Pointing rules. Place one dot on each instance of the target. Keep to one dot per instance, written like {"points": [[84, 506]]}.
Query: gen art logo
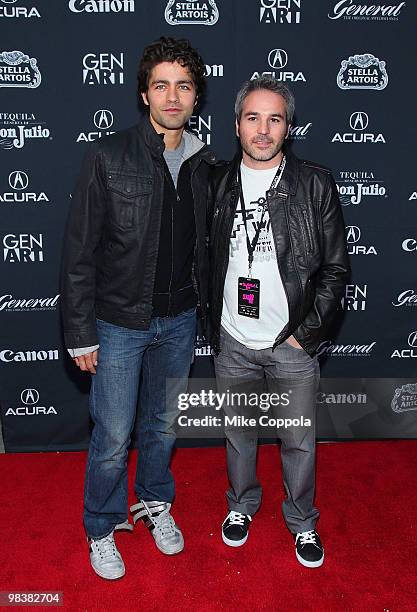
{"points": [[280, 11], [201, 126], [103, 69]]}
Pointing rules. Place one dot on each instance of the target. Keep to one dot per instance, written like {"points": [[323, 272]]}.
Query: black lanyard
{"points": [[252, 245]]}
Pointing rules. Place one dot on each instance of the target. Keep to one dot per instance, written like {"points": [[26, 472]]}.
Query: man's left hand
{"points": [[291, 340]]}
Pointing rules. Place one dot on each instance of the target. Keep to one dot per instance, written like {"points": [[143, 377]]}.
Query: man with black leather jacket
{"points": [[134, 273], [278, 268]]}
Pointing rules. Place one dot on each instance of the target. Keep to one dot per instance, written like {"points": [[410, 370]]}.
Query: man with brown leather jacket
{"points": [[278, 267]]}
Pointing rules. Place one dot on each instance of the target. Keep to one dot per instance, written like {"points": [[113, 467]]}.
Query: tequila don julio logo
{"points": [[362, 72], [19, 70], [191, 13]]}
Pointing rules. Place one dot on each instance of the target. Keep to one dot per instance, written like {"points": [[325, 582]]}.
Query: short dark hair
{"points": [[270, 84], [172, 50]]}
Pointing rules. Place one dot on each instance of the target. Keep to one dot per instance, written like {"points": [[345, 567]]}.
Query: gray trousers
{"points": [[284, 370]]}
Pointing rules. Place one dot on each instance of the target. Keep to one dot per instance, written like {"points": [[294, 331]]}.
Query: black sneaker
{"points": [[309, 549], [235, 528]]}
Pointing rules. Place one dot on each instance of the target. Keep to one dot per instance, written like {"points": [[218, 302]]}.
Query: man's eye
{"points": [[160, 86], [275, 120], [251, 118]]}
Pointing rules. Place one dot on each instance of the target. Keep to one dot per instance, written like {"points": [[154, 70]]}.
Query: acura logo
{"points": [[359, 120], [103, 119], [29, 396], [353, 233], [277, 58], [412, 339], [18, 179]]}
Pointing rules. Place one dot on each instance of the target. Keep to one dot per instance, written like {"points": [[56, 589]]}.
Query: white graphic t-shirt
{"points": [[273, 316]]}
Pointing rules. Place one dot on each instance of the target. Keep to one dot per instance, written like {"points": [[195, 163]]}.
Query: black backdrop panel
{"points": [[72, 79]]}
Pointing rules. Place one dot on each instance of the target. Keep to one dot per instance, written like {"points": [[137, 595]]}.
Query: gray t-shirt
{"points": [[174, 159]]}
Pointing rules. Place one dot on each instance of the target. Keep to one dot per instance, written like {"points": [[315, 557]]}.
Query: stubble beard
{"points": [[265, 155]]}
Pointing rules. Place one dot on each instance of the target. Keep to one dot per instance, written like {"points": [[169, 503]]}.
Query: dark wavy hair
{"points": [[172, 50]]}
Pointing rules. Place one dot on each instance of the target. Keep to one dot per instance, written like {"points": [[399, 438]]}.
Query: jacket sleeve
{"points": [[78, 265], [333, 274]]}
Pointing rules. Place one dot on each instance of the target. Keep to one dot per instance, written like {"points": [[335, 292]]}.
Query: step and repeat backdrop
{"points": [[68, 77]]}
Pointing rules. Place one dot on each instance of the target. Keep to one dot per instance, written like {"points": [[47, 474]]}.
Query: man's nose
{"points": [[172, 94], [263, 126]]}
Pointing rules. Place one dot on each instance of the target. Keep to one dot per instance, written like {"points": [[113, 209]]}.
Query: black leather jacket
{"points": [[112, 235], [310, 242]]}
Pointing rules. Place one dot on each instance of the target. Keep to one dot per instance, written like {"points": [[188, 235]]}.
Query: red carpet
{"points": [[366, 491]]}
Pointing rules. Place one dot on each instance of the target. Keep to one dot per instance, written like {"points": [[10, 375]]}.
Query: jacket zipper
{"points": [[308, 230]]}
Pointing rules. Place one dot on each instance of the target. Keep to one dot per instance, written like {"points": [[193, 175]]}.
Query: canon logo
{"points": [[409, 244], [9, 356], [342, 398]]}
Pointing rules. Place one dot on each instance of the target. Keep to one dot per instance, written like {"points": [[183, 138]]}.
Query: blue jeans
{"points": [[164, 351]]}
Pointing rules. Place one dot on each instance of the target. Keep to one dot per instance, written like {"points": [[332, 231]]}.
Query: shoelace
{"points": [[166, 524], [237, 518], [307, 537], [157, 514], [106, 547]]}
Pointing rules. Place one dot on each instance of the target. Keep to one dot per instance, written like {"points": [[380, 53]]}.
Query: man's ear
{"points": [[145, 98], [237, 128]]}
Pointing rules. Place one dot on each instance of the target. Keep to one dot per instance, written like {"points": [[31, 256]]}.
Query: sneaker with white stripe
{"points": [[157, 518]]}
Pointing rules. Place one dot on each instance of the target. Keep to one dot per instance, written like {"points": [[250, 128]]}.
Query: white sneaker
{"points": [[105, 559], [157, 518]]}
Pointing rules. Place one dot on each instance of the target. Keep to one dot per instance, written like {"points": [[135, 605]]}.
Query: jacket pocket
{"points": [[128, 195]]}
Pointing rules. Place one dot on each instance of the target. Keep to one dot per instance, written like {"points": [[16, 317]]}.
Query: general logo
{"points": [[344, 9]]}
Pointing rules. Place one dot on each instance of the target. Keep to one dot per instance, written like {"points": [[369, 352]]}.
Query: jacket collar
{"points": [[287, 184], [156, 144]]}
